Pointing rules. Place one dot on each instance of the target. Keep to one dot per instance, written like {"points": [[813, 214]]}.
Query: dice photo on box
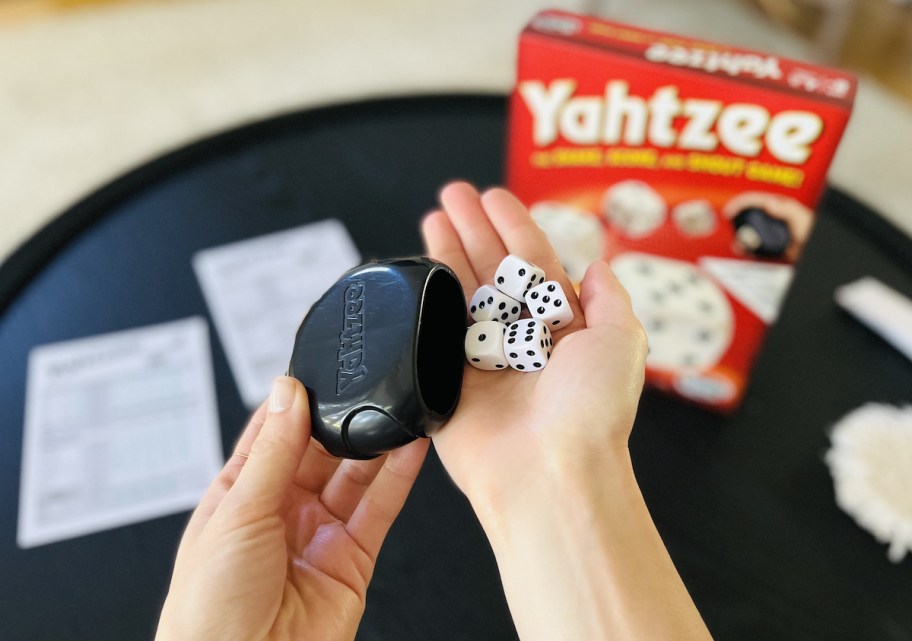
{"points": [[515, 276], [484, 345], [489, 303], [548, 303], [634, 208], [688, 320], [577, 236], [695, 218], [528, 345]]}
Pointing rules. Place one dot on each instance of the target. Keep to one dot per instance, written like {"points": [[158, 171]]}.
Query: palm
{"points": [[327, 573], [491, 422], [290, 572], [504, 426]]}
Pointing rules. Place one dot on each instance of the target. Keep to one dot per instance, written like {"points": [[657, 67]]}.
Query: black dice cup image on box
{"points": [[761, 234], [381, 356]]}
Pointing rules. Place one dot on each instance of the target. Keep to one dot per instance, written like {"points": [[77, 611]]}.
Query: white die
{"points": [[548, 303], [484, 345], [528, 345], [489, 303], [515, 276]]}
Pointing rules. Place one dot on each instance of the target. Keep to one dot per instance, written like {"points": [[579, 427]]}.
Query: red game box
{"points": [[693, 167]]}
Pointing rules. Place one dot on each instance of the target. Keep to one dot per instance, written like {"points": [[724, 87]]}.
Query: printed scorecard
{"points": [[258, 291], [119, 428]]}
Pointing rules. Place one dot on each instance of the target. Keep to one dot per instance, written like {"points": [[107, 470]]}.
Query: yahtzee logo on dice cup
{"points": [[351, 339]]}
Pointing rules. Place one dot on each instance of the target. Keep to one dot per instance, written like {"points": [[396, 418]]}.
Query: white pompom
{"points": [[871, 464]]}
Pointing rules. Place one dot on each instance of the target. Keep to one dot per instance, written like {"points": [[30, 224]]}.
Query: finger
{"points": [[482, 243], [524, 238], [348, 485], [604, 300], [227, 476], [385, 497], [442, 243], [275, 453], [317, 466]]}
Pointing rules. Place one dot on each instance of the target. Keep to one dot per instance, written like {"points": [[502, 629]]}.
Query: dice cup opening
{"points": [[440, 358]]}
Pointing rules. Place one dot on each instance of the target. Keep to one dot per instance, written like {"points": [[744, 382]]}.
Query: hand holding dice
{"points": [[498, 338], [581, 400], [535, 454]]}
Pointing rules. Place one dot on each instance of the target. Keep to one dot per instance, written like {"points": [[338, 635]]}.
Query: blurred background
{"points": [[92, 88]]}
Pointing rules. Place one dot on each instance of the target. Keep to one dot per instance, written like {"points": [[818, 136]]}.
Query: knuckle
{"points": [[357, 475]]}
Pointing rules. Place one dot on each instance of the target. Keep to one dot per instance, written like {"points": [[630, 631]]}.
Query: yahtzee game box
{"points": [[692, 167]]}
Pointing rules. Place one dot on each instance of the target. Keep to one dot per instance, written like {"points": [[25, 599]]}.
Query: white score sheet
{"points": [[259, 291], [119, 428]]}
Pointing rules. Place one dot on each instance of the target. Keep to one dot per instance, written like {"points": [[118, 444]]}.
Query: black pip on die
{"points": [[484, 345], [527, 345], [548, 303], [489, 303]]}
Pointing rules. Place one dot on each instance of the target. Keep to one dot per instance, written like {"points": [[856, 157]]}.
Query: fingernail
{"points": [[283, 394]]}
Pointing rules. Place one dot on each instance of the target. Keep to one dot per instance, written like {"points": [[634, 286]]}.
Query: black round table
{"points": [[744, 503]]}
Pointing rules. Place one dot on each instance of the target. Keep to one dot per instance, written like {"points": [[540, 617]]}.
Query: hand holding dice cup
{"points": [[539, 448]]}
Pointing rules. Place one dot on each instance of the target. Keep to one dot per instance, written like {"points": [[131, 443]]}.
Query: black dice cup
{"points": [[381, 356]]}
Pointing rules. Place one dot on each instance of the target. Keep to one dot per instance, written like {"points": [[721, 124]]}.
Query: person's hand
{"points": [[283, 544], [542, 456], [797, 217], [512, 428]]}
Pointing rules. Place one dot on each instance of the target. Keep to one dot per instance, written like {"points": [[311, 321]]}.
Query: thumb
{"points": [[277, 451], [604, 300]]}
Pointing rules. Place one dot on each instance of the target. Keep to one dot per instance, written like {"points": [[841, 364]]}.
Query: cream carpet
{"points": [[88, 94]]}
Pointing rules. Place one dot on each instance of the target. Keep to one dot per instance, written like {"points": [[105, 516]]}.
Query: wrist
{"points": [[580, 557], [577, 491], [558, 545]]}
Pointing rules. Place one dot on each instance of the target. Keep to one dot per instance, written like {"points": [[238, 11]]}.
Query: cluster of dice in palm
{"points": [[499, 338]]}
